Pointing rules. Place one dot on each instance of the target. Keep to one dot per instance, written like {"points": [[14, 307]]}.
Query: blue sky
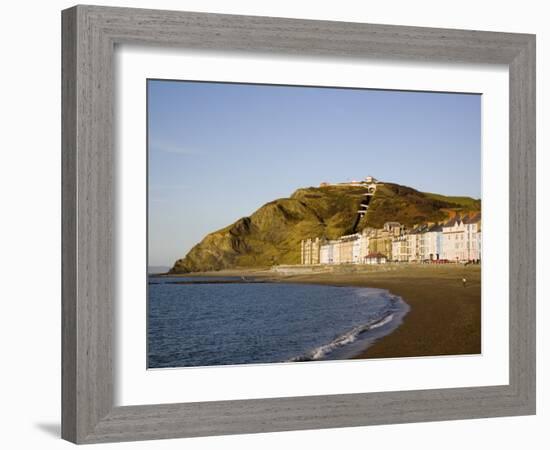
{"points": [[218, 151]]}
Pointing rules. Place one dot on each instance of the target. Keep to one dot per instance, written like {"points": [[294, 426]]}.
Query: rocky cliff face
{"points": [[272, 234]]}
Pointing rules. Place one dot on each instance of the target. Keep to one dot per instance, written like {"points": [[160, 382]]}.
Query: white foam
{"points": [[382, 322], [344, 339]]}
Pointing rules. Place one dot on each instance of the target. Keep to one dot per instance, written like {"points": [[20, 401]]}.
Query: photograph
{"points": [[309, 223]]}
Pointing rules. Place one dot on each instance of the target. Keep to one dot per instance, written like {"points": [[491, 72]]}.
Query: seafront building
{"points": [[400, 249], [473, 232], [381, 240], [461, 238], [345, 250], [310, 251], [457, 240], [432, 244]]}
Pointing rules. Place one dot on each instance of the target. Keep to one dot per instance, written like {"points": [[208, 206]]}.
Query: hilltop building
{"points": [[369, 180]]}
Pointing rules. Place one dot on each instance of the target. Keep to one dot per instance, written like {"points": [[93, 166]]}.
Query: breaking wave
{"points": [[350, 336]]}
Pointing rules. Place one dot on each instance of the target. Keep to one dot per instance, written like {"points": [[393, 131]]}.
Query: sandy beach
{"points": [[445, 315]]}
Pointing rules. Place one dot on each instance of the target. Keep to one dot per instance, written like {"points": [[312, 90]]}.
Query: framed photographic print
{"points": [[278, 224]]}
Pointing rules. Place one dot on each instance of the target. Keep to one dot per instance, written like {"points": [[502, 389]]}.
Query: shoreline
{"points": [[444, 317]]}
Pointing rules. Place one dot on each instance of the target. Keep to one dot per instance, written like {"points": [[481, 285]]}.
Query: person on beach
{"points": [[464, 282]]}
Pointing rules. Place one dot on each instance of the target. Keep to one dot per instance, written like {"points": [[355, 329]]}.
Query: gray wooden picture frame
{"points": [[89, 37]]}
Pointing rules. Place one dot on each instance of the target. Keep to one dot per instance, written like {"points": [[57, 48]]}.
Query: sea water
{"points": [[246, 323]]}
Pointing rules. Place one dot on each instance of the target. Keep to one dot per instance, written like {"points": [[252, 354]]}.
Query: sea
{"points": [[208, 321]]}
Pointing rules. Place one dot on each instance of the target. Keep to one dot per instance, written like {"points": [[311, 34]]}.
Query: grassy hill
{"points": [[272, 234]]}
